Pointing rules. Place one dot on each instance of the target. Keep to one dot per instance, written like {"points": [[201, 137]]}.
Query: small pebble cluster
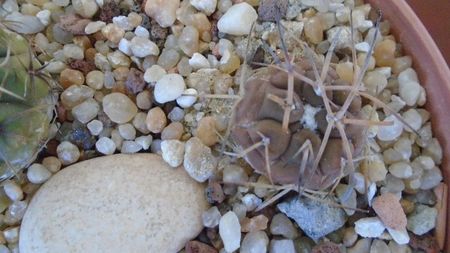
{"points": [[162, 77]]}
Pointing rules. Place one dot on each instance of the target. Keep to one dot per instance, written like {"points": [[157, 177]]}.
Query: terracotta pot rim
{"points": [[433, 71]]}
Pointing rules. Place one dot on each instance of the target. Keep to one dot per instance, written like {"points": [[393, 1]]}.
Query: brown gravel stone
{"points": [[256, 223], [426, 243], [327, 247], [388, 208], [199, 247], [206, 131], [73, 23], [272, 10], [109, 10], [82, 65], [135, 81], [214, 193]]}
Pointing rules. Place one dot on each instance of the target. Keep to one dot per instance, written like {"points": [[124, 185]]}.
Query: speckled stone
{"points": [[114, 204]]}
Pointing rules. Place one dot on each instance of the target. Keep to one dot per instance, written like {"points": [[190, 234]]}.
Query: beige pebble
{"points": [[113, 205], [206, 131], [156, 120], [173, 131]]}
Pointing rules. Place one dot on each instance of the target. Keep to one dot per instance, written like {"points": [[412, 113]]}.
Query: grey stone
{"points": [[316, 219]]}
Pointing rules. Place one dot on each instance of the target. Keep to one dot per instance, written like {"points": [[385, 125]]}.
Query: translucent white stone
{"points": [[67, 153], [369, 227], [130, 147], [38, 174], [127, 131], [105, 146], [211, 217], [95, 127], [230, 231]]}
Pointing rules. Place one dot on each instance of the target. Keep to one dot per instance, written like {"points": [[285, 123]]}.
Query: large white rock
{"points": [[120, 203], [238, 19]]}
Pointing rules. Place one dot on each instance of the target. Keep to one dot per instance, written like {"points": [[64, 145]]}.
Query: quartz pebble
{"points": [[282, 225], [119, 108], [86, 111], [94, 27], [173, 152], [127, 131], [95, 127], [142, 47], [75, 95], [282, 246], [347, 197], [350, 237], [53, 164], [73, 51], [154, 73], [11, 235], [105, 146], [189, 40], [400, 236], [230, 231], [234, 174], [145, 141], [369, 227], [254, 242], [125, 46], [141, 31], [238, 19], [113, 33], [401, 170], [95, 79], [211, 217], [431, 178], [38, 174], [188, 98], [67, 153], [390, 132], [144, 100], [198, 61], [206, 6], [163, 11], [130, 147], [173, 131], [13, 191], [409, 91], [379, 246], [422, 220], [56, 208], [251, 201], [156, 120], [169, 88], [198, 160], [86, 8]]}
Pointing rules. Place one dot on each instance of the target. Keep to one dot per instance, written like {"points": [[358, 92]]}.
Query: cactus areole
{"points": [[26, 104]]}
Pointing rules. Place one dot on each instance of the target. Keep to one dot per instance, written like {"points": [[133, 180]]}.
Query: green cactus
{"points": [[26, 104]]}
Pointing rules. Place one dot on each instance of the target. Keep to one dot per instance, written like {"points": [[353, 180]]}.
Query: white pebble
{"points": [[142, 47], [401, 170], [73, 51], [11, 235], [86, 8], [38, 174], [169, 88], [400, 236], [255, 242], [362, 47], [188, 98], [251, 201], [282, 246], [410, 91], [95, 127], [413, 118], [130, 147], [390, 132], [144, 141], [119, 108], [198, 61], [13, 191], [230, 231], [407, 75], [67, 153], [94, 27], [44, 16], [122, 22], [238, 19], [53, 164], [127, 131], [105, 146], [173, 152], [164, 14], [206, 6], [142, 32], [125, 46], [369, 227], [211, 217], [86, 111], [154, 73]]}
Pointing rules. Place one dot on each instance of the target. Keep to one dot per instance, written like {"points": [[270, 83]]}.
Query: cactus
{"points": [[26, 104]]}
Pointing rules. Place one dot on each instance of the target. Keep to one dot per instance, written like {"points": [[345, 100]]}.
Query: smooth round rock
{"points": [[120, 203]]}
